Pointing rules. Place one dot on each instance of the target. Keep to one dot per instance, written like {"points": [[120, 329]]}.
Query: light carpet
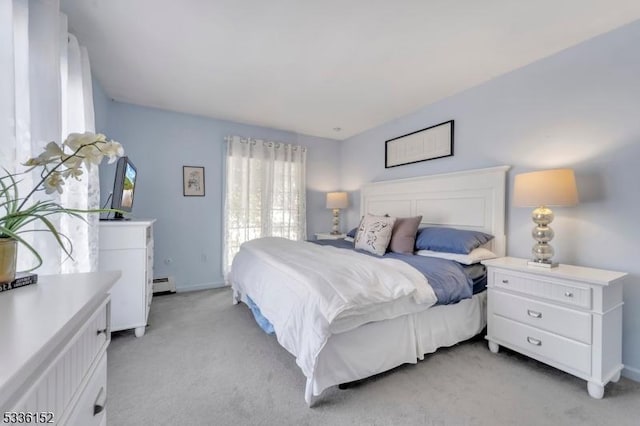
{"points": [[204, 361]]}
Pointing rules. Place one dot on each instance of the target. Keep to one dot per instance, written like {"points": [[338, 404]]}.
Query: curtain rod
{"points": [[253, 141]]}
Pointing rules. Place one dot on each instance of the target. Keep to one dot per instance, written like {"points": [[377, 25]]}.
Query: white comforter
{"points": [[308, 291]]}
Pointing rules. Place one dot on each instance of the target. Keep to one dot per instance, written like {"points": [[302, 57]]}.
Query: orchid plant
{"points": [[57, 162]]}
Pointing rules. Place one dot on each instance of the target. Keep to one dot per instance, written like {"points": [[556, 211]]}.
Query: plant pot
{"points": [[8, 257]]}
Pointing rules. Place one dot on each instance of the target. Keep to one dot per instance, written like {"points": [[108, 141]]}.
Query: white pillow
{"points": [[476, 255], [374, 233]]}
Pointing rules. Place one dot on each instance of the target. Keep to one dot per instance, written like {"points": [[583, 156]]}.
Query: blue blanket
{"points": [[447, 278], [264, 323]]}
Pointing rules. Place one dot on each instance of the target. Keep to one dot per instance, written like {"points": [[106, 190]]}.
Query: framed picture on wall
{"points": [[422, 145], [193, 181]]}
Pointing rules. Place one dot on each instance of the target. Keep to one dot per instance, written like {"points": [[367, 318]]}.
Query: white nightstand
{"points": [[568, 317], [328, 236]]}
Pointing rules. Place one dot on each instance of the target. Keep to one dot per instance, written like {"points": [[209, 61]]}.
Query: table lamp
{"points": [[540, 190], [336, 201]]}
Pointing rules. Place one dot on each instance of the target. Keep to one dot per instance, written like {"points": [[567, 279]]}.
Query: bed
{"points": [[336, 341]]}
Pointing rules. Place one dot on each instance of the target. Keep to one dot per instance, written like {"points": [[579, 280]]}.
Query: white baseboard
{"points": [[202, 286], [631, 373]]}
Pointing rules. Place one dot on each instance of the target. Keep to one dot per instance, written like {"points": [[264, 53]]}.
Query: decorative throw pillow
{"points": [[403, 238], [352, 233], [374, 234], [450, 240]]}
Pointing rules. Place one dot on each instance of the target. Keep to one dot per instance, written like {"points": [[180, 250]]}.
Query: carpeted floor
{"points": [[204, 361]]}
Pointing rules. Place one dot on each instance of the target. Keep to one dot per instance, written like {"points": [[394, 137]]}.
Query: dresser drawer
{"points": [[57, 387], [90, 410], [555, 290], [547, 346], [114, 237], [553, 318]]}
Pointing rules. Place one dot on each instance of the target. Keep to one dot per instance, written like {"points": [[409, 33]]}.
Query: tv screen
{"points": [[124, 186]]}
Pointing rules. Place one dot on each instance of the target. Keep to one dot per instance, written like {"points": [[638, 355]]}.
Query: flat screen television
{"points": [[124, 185]]}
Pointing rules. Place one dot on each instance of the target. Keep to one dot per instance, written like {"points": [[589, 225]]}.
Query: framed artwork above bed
{"points": [[422, 145]]}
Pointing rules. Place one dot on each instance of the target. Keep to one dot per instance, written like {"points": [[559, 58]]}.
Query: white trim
{"points": [[631, 373], [470, 199]]}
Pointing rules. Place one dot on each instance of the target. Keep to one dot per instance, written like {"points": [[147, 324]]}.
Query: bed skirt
{"points": [[379, 346]]}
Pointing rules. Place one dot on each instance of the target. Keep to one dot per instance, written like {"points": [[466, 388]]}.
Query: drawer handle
{"points": [[534, 314], [535, 342], [568, 294], [101, 402], [505, 281], [101, 331]]}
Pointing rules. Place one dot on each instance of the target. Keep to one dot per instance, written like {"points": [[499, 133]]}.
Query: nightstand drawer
{"points": [[556, 290], [555, 319], [556, 349]]}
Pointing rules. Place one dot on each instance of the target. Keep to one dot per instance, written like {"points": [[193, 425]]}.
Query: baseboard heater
{"points": [[164, 285]]}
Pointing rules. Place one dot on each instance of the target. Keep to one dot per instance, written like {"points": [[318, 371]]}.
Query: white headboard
{"points": [[471, 199]]}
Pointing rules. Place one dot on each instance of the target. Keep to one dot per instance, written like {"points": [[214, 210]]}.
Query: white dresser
{"points": [[127, 245], [53, 362], [569, 317]]}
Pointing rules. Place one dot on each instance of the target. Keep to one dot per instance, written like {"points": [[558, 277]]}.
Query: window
{"points": [[265, 193]]}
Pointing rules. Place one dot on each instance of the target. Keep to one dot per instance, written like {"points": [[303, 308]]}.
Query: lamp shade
{"points": [[337, 200], [545, 188]]}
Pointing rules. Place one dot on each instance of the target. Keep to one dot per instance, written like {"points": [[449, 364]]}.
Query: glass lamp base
{"points": [[548, 264], [542, 233], [335, 230]]}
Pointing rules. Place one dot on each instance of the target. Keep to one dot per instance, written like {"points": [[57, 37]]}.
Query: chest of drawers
{"points": [[55, 335], [569, 317], [128, 246]]}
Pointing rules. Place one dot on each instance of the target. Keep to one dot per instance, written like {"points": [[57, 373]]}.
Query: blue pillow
{"points": [[450, 240], [352, 233]]}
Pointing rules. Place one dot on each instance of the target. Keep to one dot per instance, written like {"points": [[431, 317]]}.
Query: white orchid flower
{"points": [[53, 183], [72, 161], [92, 155], [75, 172], [33, 162], [113, 150], [76, 140], [58, 162], [51, 151]]}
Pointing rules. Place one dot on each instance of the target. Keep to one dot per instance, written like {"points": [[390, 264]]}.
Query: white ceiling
{"points": [[310, 66]]}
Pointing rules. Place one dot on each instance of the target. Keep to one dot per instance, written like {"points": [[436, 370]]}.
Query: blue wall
{"points": [[101, 103], [188, 231], [579, 108]]}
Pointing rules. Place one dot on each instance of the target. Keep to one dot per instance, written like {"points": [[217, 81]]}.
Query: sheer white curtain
{"points": [[45, 94], [265, 193], [83, 194]]}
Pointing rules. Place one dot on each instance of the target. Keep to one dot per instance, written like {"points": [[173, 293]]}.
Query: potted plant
{"points": [[57, 162]]}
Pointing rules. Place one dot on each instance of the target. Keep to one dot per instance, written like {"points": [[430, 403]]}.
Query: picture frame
{"points": [[422, 145], [193, 181]]}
